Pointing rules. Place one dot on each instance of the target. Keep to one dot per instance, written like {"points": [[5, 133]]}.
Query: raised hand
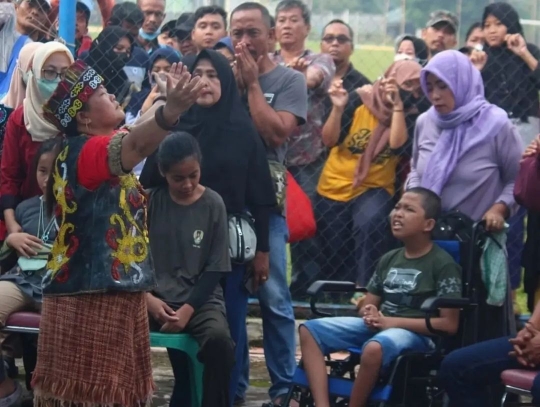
{"points": [[478, 59], [248, 67], [300, 65], [516, 43], [533, 148], [160, 84], [183, 90], [338, 95], [391, 93]]}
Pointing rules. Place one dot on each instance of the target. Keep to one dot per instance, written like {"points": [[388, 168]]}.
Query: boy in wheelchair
{"points": [[391, 322]]}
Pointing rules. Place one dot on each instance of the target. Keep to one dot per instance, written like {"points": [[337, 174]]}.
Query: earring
{"points": [[87, 131]]}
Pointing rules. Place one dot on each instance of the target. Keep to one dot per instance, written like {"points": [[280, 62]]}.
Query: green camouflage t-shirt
{"points": [[435, 274]]}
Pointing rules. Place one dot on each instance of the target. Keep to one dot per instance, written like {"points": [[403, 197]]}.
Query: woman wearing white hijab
{"points": [[27, 129]]}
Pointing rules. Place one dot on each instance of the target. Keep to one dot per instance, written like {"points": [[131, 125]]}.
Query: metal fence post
{"points": [[66, 23]]}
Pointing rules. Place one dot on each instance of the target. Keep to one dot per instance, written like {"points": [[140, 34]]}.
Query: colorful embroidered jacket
{"points": [[102, 243]]}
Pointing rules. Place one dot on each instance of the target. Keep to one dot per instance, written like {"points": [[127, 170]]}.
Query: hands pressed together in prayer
{"points": [[527, 346], [246, 68]]}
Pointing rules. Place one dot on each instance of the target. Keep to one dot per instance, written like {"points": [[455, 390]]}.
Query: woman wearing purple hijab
{"points": [[465, 149]]}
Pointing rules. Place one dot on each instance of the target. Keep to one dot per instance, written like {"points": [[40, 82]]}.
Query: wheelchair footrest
{"points": [[342, 387]]}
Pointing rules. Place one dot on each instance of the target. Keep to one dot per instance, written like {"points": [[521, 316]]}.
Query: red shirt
{"points": [[17, 172], [93, 163], [85, 44]]}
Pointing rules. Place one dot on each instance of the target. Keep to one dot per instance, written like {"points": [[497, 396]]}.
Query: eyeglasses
{"points": [[342, 39], [51, 74]]}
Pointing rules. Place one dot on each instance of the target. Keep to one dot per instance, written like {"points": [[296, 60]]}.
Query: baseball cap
{"points": [[89, 4], [83, 7], [126, 12], [184, 25], [443, 16]]}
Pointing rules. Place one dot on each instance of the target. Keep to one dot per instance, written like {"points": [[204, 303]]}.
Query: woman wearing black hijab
{"points": [[512, 79], [108, 56], [511, 73], [234, 164]]}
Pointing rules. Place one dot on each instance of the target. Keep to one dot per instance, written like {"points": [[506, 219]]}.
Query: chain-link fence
{"points": [[352, 223]]}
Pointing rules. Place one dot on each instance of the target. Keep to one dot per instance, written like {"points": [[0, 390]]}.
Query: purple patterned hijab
{"points": [[472, 122]]}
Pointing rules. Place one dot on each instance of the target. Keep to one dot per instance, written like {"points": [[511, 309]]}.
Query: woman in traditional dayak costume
{"points": [[93, 345]]}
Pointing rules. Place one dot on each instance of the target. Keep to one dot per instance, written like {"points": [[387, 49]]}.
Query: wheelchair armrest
{"points": [[433, 304], [322, 286]]}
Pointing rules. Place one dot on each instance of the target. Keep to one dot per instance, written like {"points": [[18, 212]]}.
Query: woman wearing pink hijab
{"points": [[17, 88], [14, 98]]}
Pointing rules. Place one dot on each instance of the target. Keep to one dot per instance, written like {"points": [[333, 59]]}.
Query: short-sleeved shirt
{"points": [[336, 180], [285, 91], [187, 241], [435, 274], [305, 145]]}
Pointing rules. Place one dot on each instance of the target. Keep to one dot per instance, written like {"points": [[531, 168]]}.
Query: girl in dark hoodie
{"points": [[512, 79], [511, 74], [108, 56]]}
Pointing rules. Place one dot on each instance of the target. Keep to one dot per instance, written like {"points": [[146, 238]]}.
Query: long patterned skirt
{"points": [[94, 350]]}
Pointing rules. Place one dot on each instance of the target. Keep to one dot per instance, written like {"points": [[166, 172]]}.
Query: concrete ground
{"points": [[163, 376], [256, 395]]}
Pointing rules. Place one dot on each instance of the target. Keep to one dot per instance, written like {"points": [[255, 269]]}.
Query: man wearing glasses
{"points": [[338, 42]]}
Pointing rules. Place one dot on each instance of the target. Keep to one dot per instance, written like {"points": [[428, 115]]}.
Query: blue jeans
{"points": [[467, 373], [341, 333], [236, 300], [277, 316], [354, 235], [304, 254]]}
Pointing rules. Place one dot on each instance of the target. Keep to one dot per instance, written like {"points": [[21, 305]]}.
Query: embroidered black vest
{"points": [[102, 243]]}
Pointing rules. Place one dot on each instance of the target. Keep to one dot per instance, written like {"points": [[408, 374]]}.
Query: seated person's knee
{"points": [[371, 354], [450, 365], [219, 345]]}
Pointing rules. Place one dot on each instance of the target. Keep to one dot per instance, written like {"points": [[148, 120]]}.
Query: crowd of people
{"points": [[143, 186]]}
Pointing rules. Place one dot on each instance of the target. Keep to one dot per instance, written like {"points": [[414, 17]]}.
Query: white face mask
{"points": [[403, 57]]}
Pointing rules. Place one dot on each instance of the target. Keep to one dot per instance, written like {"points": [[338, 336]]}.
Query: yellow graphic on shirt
{"points": [[337, 176], [128, 240], [62, 247]]}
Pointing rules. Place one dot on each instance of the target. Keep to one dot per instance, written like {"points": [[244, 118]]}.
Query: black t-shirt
{"points": [[187, 241]]}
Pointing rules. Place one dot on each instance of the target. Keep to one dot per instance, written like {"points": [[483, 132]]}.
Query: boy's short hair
{"points": [[202, 11], [126, 12], [285, 5], [339, 21], [83, 8], [251, 5], [431, 202]]}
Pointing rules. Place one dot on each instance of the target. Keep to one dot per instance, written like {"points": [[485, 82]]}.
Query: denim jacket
{"points": [[102, 243]]}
